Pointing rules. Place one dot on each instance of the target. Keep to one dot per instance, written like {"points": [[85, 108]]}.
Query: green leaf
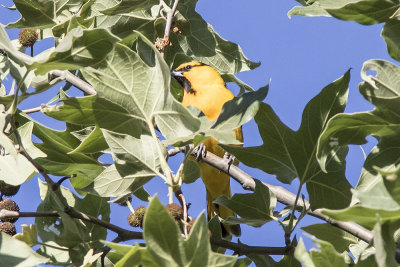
{"points": [[16, 170], [93, 110], [57, 255], [199, 41], [110, 183], [363, 216], [392, 183], [191, 172], [25, 132], [79, 48], [126, 255], [391, 33], [5, 127], [366, 12], [126, 6], [243, 262], [135, 158], [257, 207], [68, 232], [56, 145], [165, 243], [35, 14], [340, 239], [42, 14], [289, 154], [29, 235], [362, 11], [92, 143], [10, 49], [235, 113], [232, 78], [327, 256], [313, 10], [382, 91], [197, 245], [16, 253], [163, 238], [384, 244], [302, 255]]}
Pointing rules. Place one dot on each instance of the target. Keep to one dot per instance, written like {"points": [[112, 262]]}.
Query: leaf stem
{"points": [[51, 246], [14, 104], [169, 177], [291, 228]]}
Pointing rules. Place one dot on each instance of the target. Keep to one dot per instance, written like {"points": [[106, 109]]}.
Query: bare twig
{"points": [[69, 77], [33, 110], [242, 249], [282, 195], [165, 41], [8, 214], [179, 195], [75, 81]]}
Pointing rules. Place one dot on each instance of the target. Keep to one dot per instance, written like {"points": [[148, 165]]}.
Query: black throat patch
{"points": [[185, 84]]}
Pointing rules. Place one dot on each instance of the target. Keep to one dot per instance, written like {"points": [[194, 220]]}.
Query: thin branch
{"points": [[33, 110], [283, 196], [179, 195], [8, 214], [75, 81], [164, 42], [68, 76], [242, 249], [170, 17]]}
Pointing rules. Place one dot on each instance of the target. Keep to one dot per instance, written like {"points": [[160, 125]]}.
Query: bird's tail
{"points": [[223, 212]]}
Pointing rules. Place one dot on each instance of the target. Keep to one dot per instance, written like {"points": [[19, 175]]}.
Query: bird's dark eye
{"points": [[188, 67]]}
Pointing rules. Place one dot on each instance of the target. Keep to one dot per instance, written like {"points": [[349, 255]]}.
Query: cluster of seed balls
{"points": [[7, 225], [136, 219]]}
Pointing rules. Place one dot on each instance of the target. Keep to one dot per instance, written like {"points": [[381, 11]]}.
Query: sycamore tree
{"points": [[120, 53]]}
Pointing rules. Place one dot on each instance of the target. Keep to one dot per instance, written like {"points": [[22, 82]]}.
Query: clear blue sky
{"points": [[301, 56]]}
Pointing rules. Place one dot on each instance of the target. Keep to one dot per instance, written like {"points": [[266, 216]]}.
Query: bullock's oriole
{"points": [[205, 89]]}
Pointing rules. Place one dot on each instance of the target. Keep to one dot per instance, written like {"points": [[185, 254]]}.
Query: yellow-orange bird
{"points": [[205, 89]]}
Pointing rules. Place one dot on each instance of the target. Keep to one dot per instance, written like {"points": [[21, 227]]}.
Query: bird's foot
{"points": [[230, 159], [200, 151]]}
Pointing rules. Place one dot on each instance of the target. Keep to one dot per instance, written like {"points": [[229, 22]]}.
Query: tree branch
{"points": [[69, 77], [282, 195], [75, 81], [163, 43], [170, 17], [242, 249], [8, 214]]}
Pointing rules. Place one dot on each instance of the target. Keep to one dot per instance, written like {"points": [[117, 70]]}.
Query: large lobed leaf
{"points": [[381, 90], [365, 12], [289, 154]]}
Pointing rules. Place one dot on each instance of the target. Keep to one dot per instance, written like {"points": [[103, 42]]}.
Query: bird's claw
{"points": [[200, 151], [230, 159]]}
